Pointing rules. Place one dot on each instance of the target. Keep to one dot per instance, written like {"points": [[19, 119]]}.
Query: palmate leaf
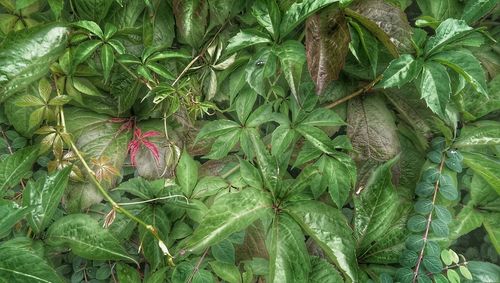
{"points": [[230, 213], [191, 20], [288, 257], [292, 57], [14, 167], [11, 214], [401, 71], [20, 264], [448, 31], [86, 238], [267, 14], [435, 87], [44, 196], [376, 206], [328, 227]]}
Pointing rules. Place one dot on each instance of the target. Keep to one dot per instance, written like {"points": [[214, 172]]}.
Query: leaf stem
{"points": [[428, 224], [356, 93]]}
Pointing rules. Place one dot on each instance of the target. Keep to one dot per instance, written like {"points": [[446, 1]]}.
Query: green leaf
{"points": [[191, 21], [157, 216], [317, 138], [107, 60], [90, 26], [44, 197], [216, 128], [485, 166], [282, 140], [439, 228], [329, 229], [433, 264], [447, 32], [230, 213], [14, 167], [443, 213], [288, 256], [338, 174], [267, 163], [260, 66], [464, 63], [417, 223], [376, 206], [261, 115], [484, 271], [408, 258], [126, 273], [322, 271], [244, 103], [465, 221], [26, 56], [85, 50], [292, 56], [268, 15], [299, 12], [224, 144], [440, 10], [491, 224], [227, 272], [322, 117], [465, 272], [93, 10], [475, 10], [86, 238], [479, 134], [435, 87], [246, 38], [187, 173], [453, 276], [369, 45], [401, 71], [12, 213], [20, 264], [424, 206], [250, 174]]}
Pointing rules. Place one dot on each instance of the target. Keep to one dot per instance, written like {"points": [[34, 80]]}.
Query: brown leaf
{"points": [[327, 45], [372, 129], [387, 22]]}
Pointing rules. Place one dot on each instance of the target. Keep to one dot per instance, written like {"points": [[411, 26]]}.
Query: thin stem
{"points": [[428, 225], [231, 171], [134, 75], [356, 93], [197, 267], [154, 199]]}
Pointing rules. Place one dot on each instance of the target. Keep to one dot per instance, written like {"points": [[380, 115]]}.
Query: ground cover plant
{"points": [[249, 141]]}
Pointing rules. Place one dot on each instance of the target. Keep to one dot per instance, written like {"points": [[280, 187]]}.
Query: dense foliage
{"points": [[249, 141]]}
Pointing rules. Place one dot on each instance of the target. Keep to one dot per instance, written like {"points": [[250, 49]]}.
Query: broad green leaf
{"points": [[227, 272], [447, 32], [14, 167], [230, 213], [90, 26], [224, 144], [191, 21], [157, 216], [246, 38], [244, 103], [260, 66], [292, 56], [127, 273], [385, 21], [86, 238], [483, 194], [486, 166], [11, 214], [369, 45], [322, 117], [376, 206], [475, 10], [329, 229], [466, 220], [401, 71], [300, 11], [26, 56], [19, 117], [288, 256], [44, 197], [250, 174], [372, 129], [92, 10], [465, 64], [417, 223], [21, 4], [492, 225], [187, 173], [440, 10], [433, 264], [326, 48], [216, 128], [19, 264], [56, 6], [484, 271], [479, 134], [435, 87], [282, 139], [261, 115], [323, 271], [268, 16]]}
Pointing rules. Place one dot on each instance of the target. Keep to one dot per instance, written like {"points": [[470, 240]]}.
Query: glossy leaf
{"points": [[401, 71], [191, 20], [11, 214], [475, 10], [44, 197], [435, 87], [267, 14], [230, 213], [292, 57], [485, 166], [26, 56], [245, 39], [448, 31], [479, 134], [86, 238], [187, 173], [14, 167]]}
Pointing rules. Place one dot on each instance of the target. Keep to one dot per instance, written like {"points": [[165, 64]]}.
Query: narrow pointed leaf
{"points": [[14, 167]]}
